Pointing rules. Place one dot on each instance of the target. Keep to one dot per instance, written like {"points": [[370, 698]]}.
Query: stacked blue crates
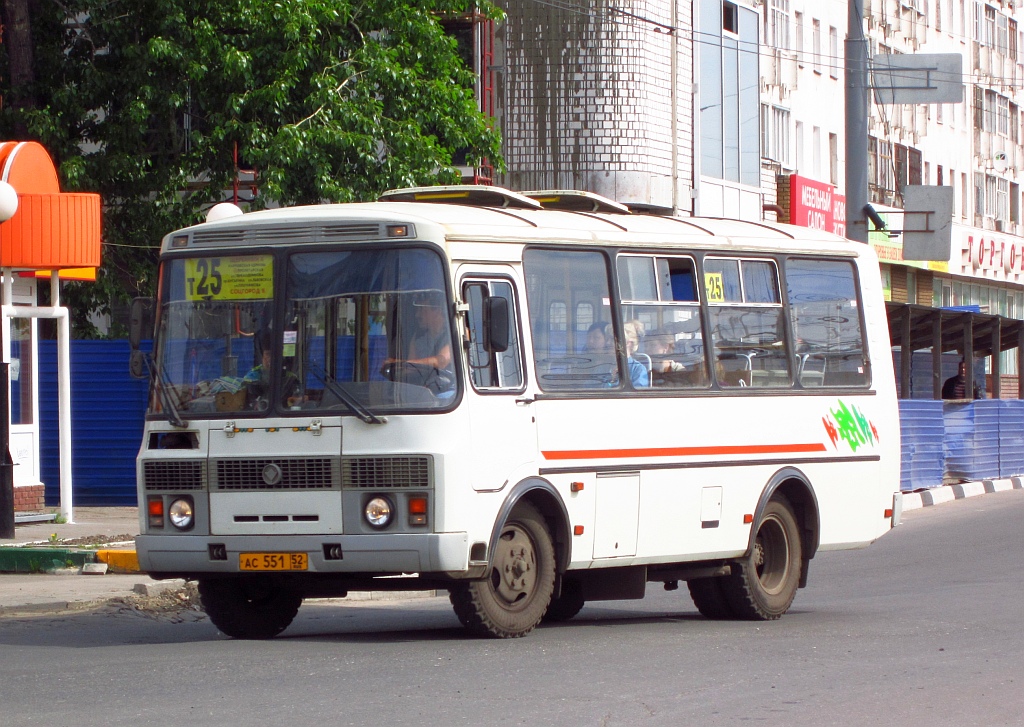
{"points": [[972, 440], [1011, 437], [922, 457]]}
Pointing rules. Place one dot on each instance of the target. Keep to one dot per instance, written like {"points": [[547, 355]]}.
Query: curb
{"points": [[948, 493], [42, 560], [120, 561]]}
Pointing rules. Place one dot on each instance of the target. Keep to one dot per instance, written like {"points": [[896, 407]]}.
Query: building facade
{"points": [[736, 109]]}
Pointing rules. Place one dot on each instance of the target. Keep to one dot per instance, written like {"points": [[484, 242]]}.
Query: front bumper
{"points": [[365, 554]]}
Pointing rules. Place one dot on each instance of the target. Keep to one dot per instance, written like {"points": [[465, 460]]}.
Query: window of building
{"points": [[775, 133], [816, 151], [729, 93], [833, 159], [798, 145], [1002, 115], [1002, 34], [833, 52], [798, 33], [979, 193], [816, 44], [777, 29]]}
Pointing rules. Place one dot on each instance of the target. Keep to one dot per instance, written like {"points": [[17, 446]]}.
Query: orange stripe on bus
{"points": [[685, 451]]}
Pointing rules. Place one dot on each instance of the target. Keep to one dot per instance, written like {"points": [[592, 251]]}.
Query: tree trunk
{"points": [[17, 25]]}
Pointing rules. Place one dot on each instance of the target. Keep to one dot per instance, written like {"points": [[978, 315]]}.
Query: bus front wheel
{"points": [[511, 600], [248, 610], [568, 604], [768, 578]]}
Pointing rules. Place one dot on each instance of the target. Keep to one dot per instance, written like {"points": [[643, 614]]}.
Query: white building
{"points": [[735, 108]]}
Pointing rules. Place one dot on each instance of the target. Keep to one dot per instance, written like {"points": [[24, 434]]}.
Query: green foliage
{"points": [[328, 100]]}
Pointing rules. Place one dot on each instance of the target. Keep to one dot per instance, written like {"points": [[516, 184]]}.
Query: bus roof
{"points": [[462, 223]]}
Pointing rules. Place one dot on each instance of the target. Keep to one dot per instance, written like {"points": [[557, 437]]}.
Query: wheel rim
{"points": [[771, 555], [514, 575]]}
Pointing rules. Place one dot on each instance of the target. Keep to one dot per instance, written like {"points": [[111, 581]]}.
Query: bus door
{"points": [[502, 435]]}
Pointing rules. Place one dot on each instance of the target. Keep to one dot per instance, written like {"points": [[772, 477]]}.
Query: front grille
{"points": [[386, 472], [296, 474], [176, 475]]}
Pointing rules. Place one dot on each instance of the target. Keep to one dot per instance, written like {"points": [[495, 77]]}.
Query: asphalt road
{"points": [[922, 628]]}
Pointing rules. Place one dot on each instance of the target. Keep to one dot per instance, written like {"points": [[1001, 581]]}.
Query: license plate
{"points": [[272, 561]]}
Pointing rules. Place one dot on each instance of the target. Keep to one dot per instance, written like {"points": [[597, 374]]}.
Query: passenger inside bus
{"points": [[639, 372]]}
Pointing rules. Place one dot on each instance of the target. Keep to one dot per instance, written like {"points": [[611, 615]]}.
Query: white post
{"points": [[62, 315], [63, 396]]}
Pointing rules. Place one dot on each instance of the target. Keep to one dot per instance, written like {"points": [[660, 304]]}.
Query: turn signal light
{"points": [[575, 486], [417, 511], [747, 519], [155, 508], [577, 530], [888, 513]]}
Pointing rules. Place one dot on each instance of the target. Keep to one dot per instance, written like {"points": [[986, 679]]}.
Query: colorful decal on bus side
{"points": [[851, 426]]}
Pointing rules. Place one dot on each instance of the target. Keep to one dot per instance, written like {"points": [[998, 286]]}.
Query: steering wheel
{"points": [[407, 372]]}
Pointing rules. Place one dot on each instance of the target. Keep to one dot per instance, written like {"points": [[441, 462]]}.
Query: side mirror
{"points": [[140, 321], [496, 324], [137, 365]]}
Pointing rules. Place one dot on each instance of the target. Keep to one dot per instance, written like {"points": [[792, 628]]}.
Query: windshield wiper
{"points": [[159, 379], [346, 398]]}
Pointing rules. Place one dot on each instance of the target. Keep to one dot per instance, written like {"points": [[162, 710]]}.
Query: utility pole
{"points": [[856, 79]]}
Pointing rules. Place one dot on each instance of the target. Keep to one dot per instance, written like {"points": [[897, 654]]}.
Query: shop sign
{"points": [[992, 252], [816, 205]]}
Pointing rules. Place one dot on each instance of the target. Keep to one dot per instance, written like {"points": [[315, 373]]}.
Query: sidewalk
{"points": [[114, 527]]}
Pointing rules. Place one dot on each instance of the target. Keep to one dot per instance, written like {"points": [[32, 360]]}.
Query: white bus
{"points": [[529, 407]]}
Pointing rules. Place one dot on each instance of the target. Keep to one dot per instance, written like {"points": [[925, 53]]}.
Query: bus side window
{"points": [[660, 295], [491, 369], [829, 342], [746, 317], [569, 355]]}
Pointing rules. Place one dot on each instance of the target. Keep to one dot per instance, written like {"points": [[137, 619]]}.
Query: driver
{"points": [[431, 347]]}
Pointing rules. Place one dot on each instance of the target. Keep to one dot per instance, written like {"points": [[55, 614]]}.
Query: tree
{"points": [[146, 101]]}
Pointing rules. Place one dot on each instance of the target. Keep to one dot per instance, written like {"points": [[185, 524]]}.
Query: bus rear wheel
{"points": [[511, 600], [710, 599], [248, 609], [767, 581]]}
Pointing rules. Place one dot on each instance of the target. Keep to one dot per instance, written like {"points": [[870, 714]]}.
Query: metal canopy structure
{"points": [[972, 335]]}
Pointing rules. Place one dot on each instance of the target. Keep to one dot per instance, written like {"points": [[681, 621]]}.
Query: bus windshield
{"points": [[215, 321], [364, 331], [369, 325]]}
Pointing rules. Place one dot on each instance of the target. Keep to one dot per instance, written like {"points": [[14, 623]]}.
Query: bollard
{"points": [[6, 500]]}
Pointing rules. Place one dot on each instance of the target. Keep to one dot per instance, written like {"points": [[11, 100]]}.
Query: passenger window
{"points": [[829, 343], [745, 314], [490, 369], [660, 306], [571, 355]]}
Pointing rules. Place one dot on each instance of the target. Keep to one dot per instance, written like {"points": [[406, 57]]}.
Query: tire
{"points": [[248, 609], [768, 578], [513, 597], [568, 604], [710, 599]]}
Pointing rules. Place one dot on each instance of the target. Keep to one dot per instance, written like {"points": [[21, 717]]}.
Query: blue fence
{"points": [[107, 414], [942, 441], [947, 441]]}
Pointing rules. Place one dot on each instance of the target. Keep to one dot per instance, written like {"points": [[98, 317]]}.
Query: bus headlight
{"points": [[181, 514], [378, 512]]}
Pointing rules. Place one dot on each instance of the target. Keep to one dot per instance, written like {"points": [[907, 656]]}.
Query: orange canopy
{"points": [[51, 229]]}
